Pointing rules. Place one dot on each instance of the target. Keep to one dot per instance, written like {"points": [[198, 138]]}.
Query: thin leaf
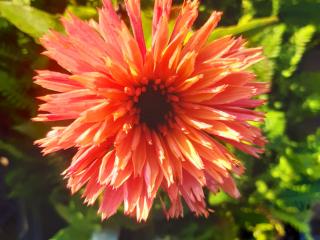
{"points": [[29, 20], [242, 28]]}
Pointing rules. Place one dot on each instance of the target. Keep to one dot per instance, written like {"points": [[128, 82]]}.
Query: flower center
{"points": [[154, 106]]}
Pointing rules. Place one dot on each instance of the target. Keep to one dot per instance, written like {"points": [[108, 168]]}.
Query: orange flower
{"points": [[149, 119]]}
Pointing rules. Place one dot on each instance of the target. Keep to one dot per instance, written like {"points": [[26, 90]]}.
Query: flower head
{"points": [[144, 119]]}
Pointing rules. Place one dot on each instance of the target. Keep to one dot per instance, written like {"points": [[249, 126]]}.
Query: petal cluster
{"points": [[149, 119]]}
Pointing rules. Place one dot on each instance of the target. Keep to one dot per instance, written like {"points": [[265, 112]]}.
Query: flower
{"points": [[150, 119]]}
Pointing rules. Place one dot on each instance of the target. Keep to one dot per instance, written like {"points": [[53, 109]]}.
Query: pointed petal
{"points": [[134, 13]]}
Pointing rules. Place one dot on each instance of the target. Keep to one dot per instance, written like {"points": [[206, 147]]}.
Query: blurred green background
{"points": [[280, 192]]}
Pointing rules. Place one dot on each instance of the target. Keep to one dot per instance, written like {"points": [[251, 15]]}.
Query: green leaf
{"points": [[275, 124], [34, 130], [297, 48], [221, 197], [284, 172], [299, 221], [146, 17], [312, 103], [10, 149], [242, 28], [69, 213], [264, 70], [309, 82], [302, 196], [29, 20], [272, 40], [83, 12], [14, 95], [248, 11], [276, 7], [22, 2], [82, 221], [72, 232]]}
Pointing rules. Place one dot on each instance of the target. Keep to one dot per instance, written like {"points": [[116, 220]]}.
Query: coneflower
{"points": [[144, 119]]}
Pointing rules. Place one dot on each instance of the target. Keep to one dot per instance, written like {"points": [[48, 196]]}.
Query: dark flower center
{"points": [[154, 106]]}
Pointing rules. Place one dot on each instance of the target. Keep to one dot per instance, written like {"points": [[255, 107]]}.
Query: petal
{"points": [[112, 198], [134, 13], [55, 81], [162, 9], [186, 18], [188, 149], [200, 37]]}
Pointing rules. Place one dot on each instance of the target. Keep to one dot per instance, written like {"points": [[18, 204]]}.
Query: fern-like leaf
{"points": [[297, 48], [13, 94]]}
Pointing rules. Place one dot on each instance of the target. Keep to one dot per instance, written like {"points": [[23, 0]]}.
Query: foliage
{"points": [[27, 18], [81, 223], [278, 190]]}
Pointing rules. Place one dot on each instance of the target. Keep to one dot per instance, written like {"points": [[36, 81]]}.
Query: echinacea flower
{"points": [[145, 120]]}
